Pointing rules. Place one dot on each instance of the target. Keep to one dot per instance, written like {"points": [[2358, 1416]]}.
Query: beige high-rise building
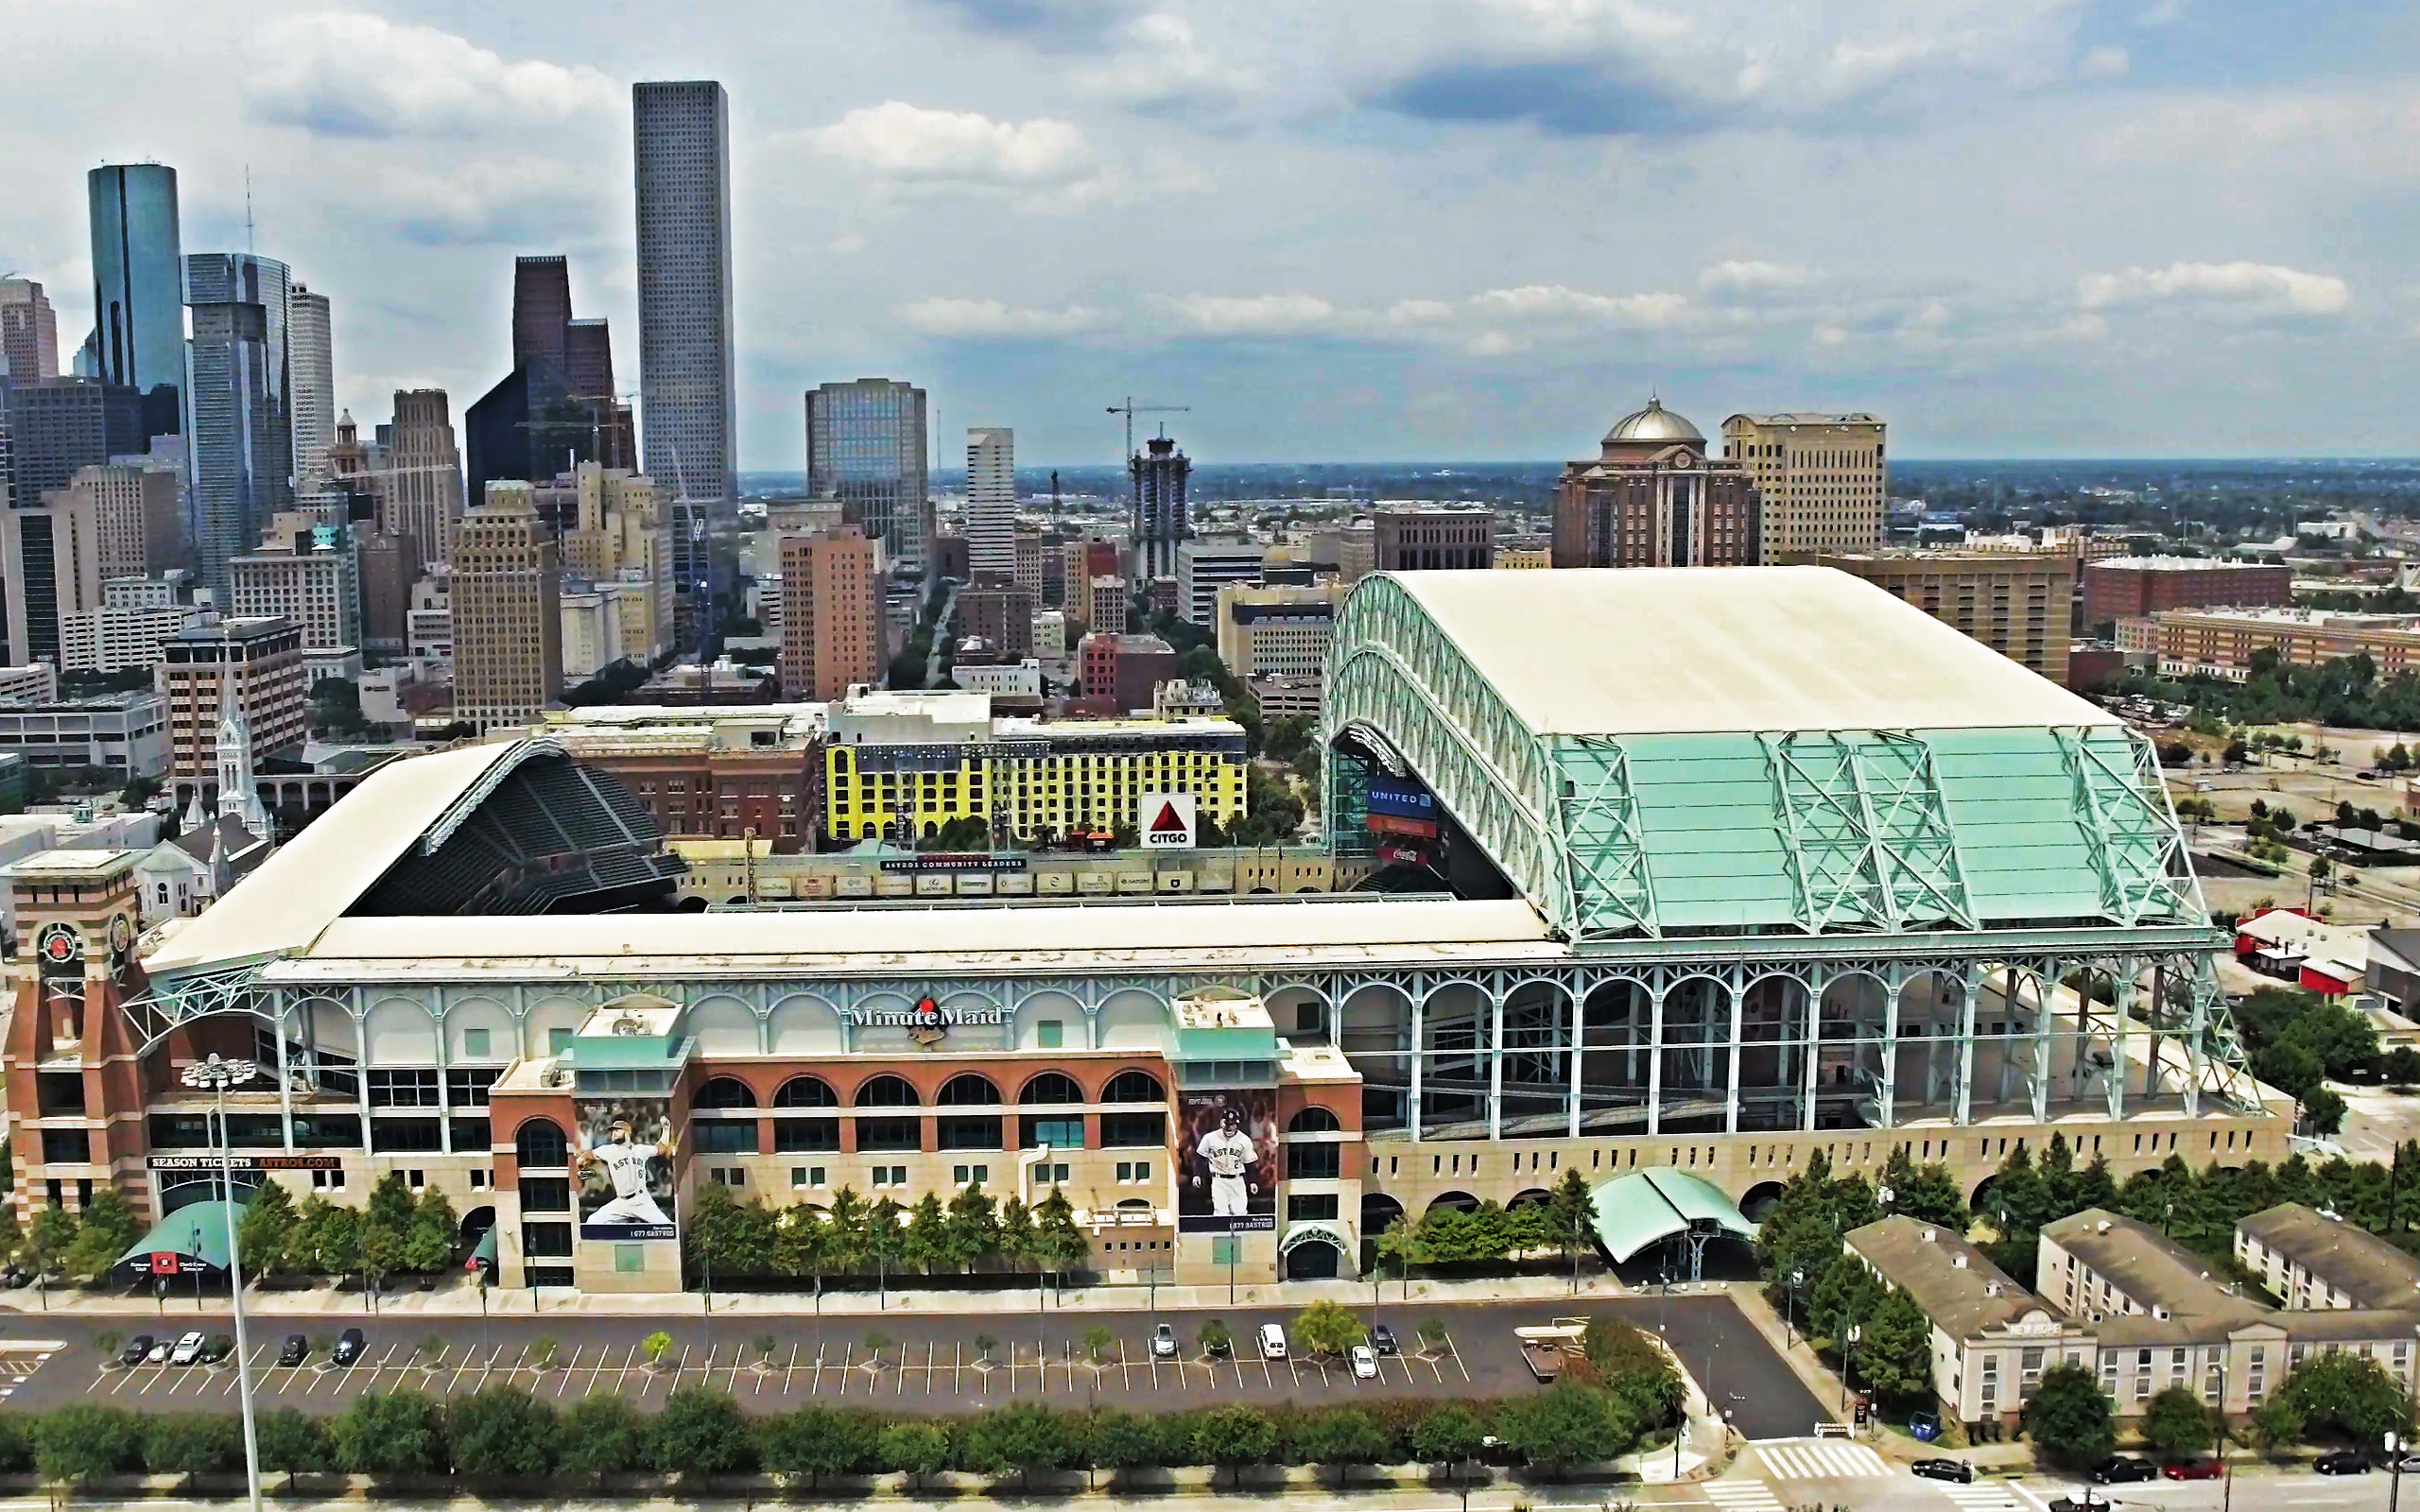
{"points": [[1278, 632], [307, 573], [420, 487], [311, 394], [1824, 479], [618, 532], [134, 510], [508, 612], [1106, 613], [28, 331], [831, 613], [2016, 604]]}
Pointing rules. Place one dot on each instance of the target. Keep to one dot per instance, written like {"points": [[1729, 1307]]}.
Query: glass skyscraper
{"points": [[866, 447], [681, 136], [138, 291], [241, 442]]}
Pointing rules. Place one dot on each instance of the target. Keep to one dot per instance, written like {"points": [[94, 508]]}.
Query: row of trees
{"points": [[397, 1232], [2335, 1393], [1452, 1236], [504, 1433], [730, 1238], [1810, 1276], [2298, 1040], [2346, 693]]}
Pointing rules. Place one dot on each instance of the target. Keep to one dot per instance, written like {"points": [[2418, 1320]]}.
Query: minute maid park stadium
{"points": [[1723, 867]]}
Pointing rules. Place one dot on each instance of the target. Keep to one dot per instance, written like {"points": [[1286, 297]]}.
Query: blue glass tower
{"points": [[240, 444], [138, 287]]}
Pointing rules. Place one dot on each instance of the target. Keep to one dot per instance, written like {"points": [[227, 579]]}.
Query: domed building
{"points": [[1653, 498]]}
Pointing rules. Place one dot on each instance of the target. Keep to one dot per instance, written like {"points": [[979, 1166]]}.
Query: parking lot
{"points": [[912, 1362]]}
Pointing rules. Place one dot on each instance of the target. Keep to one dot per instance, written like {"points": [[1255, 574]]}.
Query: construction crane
{"points": [[1129, 409]]}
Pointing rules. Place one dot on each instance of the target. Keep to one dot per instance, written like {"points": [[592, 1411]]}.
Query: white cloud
{"points": [[1160, 61], [2102, 62], [1756, 276], [1255, 314], [350, 74], [1831, 335], [896, 140], [2260, 285], [1555, 300], [976, 319]]}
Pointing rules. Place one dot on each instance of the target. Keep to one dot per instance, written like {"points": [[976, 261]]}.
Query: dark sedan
{"points": [[136, 1349], [2120, 1469], [2343, 1462], [1945, 1470]]}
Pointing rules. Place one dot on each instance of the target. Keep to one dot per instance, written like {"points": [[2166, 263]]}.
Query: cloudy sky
{"points": [[1341, 230]]}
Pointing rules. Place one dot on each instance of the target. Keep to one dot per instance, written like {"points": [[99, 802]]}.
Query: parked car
{"points": [[1382, 1339], [1221, 1348], [1925, 1425], [2195, 1470], [138, 1349], [1272, 1342], [2120, 1469], [159, 1354], [1945, 1470], [295, 1351], [349, 1344], [2342, 1462], [1164, 1342], [188, 1345], [1365, 1363], [217, 1348]]}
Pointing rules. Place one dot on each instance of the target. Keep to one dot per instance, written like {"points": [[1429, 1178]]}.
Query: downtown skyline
{"points": [[1480, 232]]}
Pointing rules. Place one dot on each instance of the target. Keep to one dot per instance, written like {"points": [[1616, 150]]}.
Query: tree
{"points": [[1894, 1352], [500, 1432], [2275, 1424], [78, 1444], [1061, 1246], [1117, 1440], [1234, 1438], [914, 1448], [1572, 1208], [2323, 1111], [974, 1226], [2403, 1066], [1328, 1328], [1342, 1437], [293, 1441], [187, 1444], [602, 1437], [655, 1346], [1928, 1193], [266, 1232], [386, 1222], [1025, 1437], [429, 1238], [927, 1245], [2177, 1423], [1448, 1437], [1568, 1424], [108, 1231], [816, 1441], [1098, 1342], [886, 1240], [388, 1433], [2069, 1417], [1215, 1336], [340, 1246], [2350, 1393], [49, 1236], [700, 1432]]}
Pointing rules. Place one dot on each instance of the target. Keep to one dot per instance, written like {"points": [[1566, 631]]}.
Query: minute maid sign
{"points": [[928, 1021]]}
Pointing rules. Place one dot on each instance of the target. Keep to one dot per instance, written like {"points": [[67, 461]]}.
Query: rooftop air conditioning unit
{"points": [[1960, 1261], [1928, 1236], [2100, 1228]]}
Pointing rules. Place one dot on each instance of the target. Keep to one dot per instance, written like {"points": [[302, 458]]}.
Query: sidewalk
{"points": [[1821, 1382], [458, 1297]]}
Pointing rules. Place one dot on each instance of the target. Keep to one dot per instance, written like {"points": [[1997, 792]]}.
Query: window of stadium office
{"points": [[890, 1136], [724, 1136], [806, 1136]]}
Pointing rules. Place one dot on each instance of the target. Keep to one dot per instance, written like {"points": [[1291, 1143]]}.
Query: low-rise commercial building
{"points": [[2308, 1258], [727, 772], [2019, 605], [2221, 643], [733, 874], [119, 732], [2132, 587], [1278, 632]]}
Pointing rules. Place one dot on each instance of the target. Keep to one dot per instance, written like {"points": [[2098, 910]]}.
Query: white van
{"points": [[1272, 1342]]}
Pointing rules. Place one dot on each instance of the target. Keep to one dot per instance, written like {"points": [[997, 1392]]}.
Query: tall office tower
{"points": [[312, 360], [28, 331], [612, 527], [588, 360], [508, 612], [51, 558], [135, 516], [991, 528], [1822, 476], [681, 132], [389, 565], [831, 613], [1162, 521], [138, 288], [866, 446], [541, 310], [255, 664], [57, 425], [1652, 498], [420, 488], [238, 389]]}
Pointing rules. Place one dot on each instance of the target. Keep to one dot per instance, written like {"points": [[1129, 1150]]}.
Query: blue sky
{"points": [[1366, 230]]}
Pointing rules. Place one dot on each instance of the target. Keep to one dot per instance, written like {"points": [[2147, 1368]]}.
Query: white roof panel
{"points": [[1694, 650]]}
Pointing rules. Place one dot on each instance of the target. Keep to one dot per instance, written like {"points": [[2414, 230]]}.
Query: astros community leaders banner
{"points": [[1226, 1159], [626, 1169]]}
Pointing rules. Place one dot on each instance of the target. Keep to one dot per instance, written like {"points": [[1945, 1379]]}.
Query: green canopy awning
{"points": [[1646, 1207], [482, 1253], [196, 1232]]}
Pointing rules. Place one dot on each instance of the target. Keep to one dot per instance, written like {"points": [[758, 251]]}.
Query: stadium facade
{"points": [[1723, 867]]}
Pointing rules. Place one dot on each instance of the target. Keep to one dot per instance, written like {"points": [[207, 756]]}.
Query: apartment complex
{"points": [[903, 765], [1824, 479], [1431, 537], [2131, 587], [1652, 498], [2019, 605], [507, 615], [831, 612], [2221, 643], [253, 665]]}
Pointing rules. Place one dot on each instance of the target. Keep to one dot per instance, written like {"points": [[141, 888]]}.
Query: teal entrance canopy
{"points": [[1647, 1207], [196, 1233]]}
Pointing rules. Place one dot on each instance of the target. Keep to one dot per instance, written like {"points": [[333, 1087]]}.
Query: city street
{"points": [[903, 1360]]}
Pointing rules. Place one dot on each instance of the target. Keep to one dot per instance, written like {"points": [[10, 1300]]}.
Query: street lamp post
{"points": [[1789, 1306], [214, 1076]]}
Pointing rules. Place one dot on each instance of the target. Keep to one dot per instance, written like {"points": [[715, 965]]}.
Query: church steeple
{"points": [[237, 794]]}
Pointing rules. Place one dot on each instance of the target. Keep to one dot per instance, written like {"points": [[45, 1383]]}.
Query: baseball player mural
{"points": [[1227, 1162], [626, 1170]]}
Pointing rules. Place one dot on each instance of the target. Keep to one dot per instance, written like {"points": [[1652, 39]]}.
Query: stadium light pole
{"points": [[214, 1076]]}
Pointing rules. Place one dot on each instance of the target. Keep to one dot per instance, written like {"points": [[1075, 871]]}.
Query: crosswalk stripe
{"points": [[1742, 1495], [1826, 1461]]}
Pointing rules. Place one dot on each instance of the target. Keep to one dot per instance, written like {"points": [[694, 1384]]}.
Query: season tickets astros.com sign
{"points": [[1164, 821]]}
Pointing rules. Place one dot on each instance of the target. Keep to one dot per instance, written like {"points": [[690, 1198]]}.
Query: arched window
{"points": [[538, 1144], [886, 1091], [1049, 1090], [1313, 1120], [1134, 1087], [969, 1091], [725, 1092], [807, 1092]]}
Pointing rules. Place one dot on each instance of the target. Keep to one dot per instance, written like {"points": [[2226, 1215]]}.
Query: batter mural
{"points": [[1227, 1162], [626, 1170]]}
